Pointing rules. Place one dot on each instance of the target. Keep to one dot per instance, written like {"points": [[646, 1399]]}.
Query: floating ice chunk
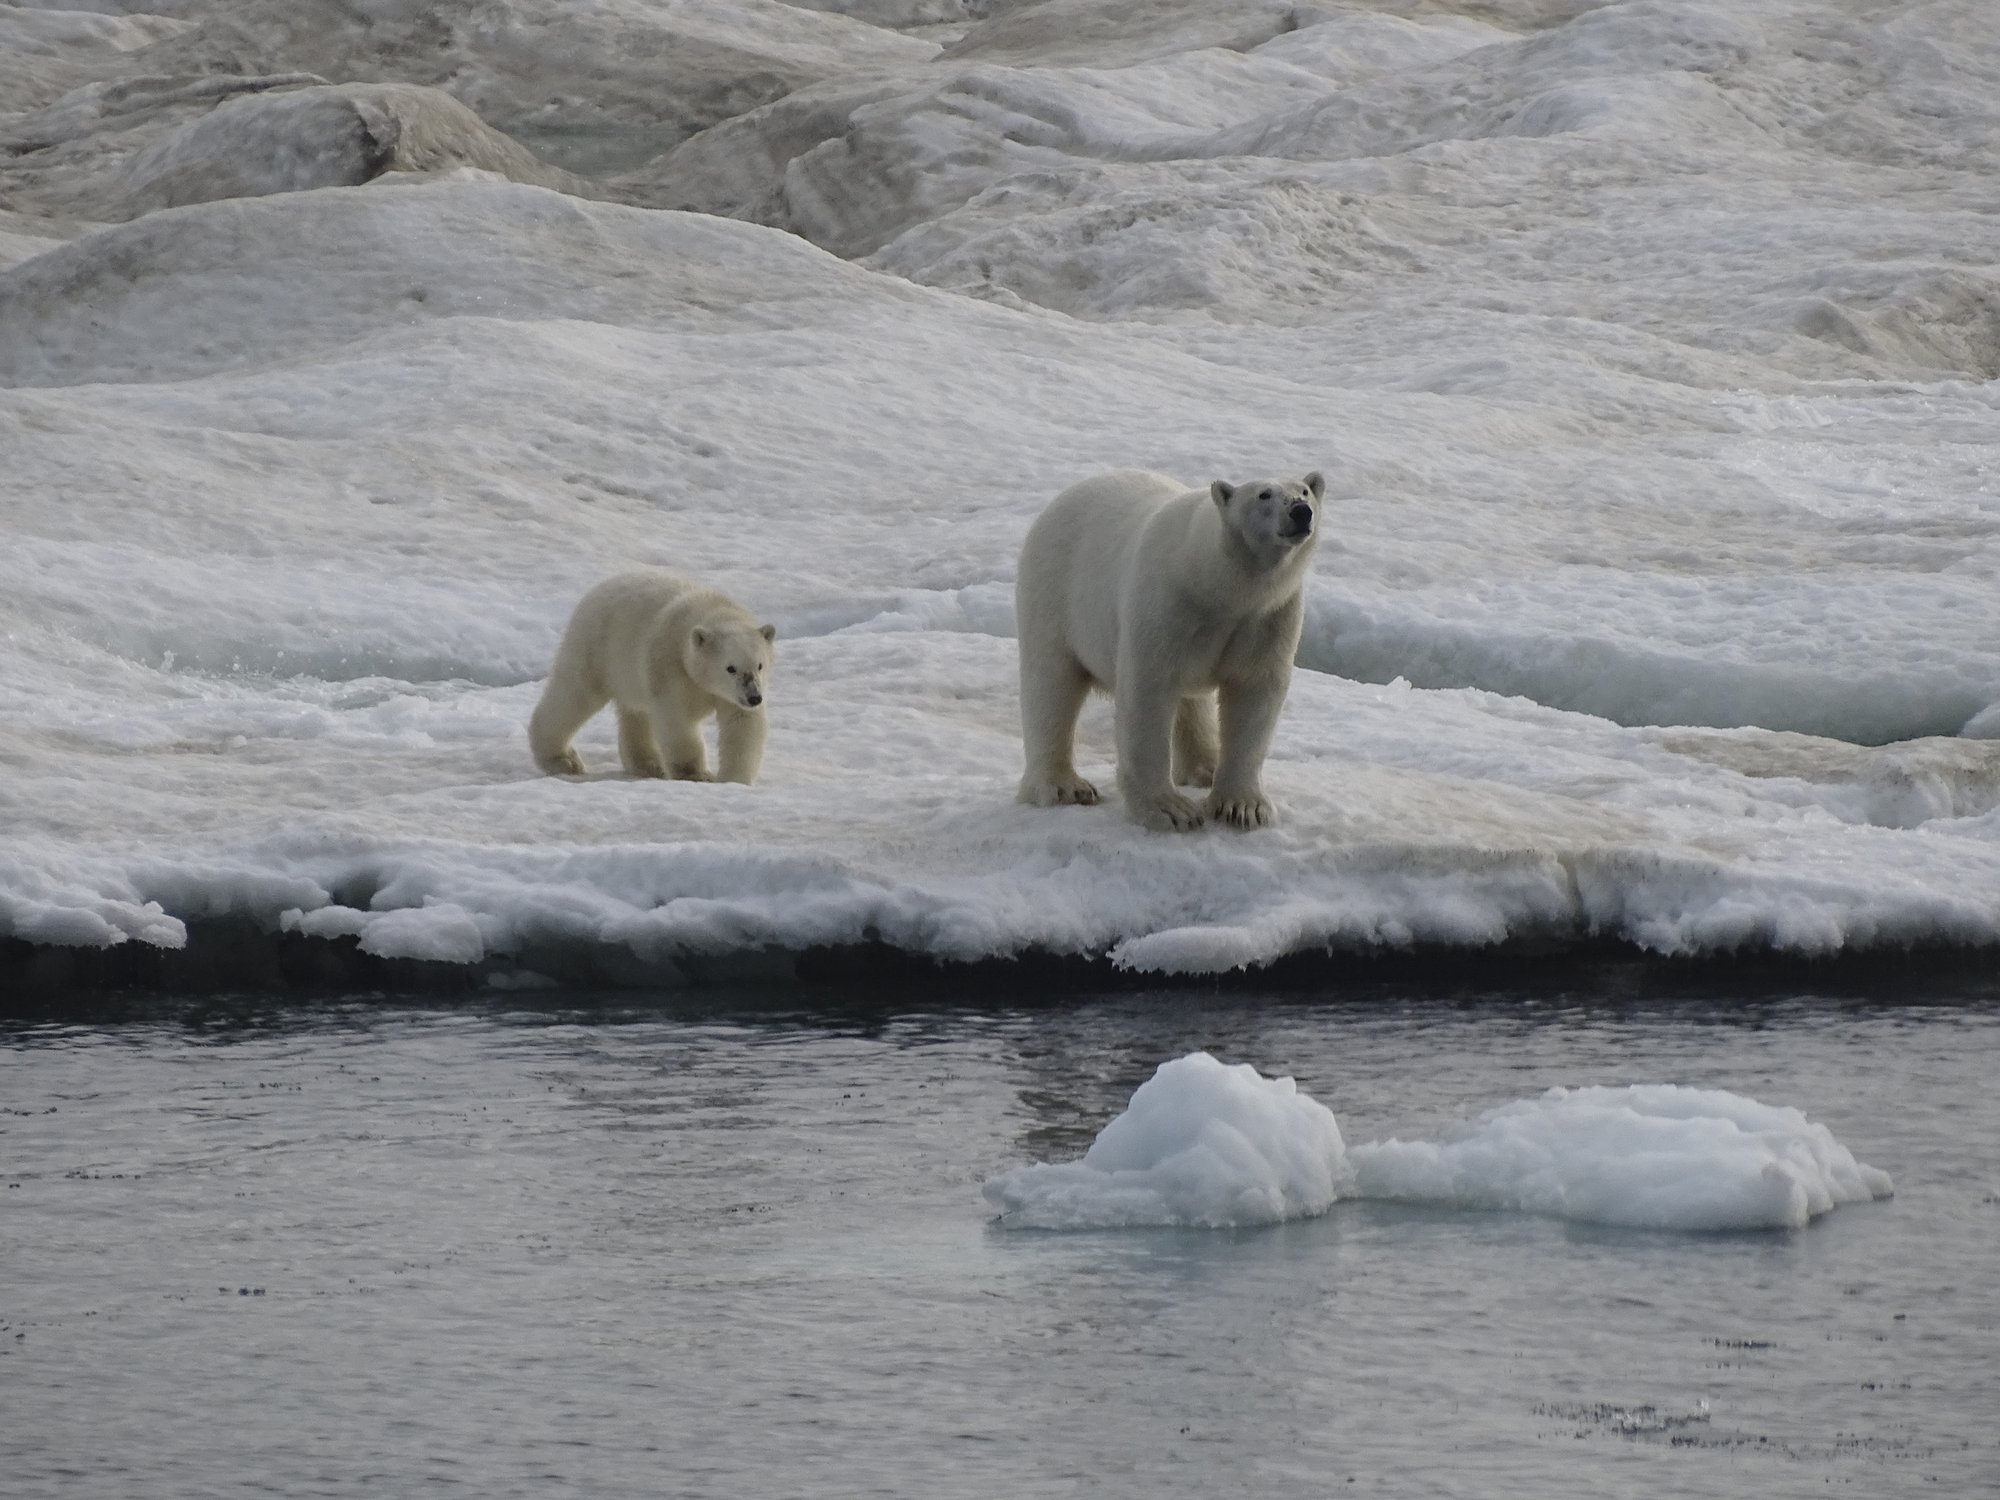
{"points": [[1657, 1156], [1202, 1143], [1211, 1146]]}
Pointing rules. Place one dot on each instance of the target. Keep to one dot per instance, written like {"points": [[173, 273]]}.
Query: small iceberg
{"points": [[1651, 1156], [1208, 1145], [1203, 1144]]}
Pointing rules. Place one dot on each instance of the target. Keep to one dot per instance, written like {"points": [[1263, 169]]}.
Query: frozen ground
{"points": [[1650, 349]]}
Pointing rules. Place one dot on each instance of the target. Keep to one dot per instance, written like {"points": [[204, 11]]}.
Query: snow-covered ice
{"points": [[1207, 1145], [1650, 350]]}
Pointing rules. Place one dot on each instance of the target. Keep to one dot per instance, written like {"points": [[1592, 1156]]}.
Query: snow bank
{"points": [[1596, 648], [1651, 1156], [1201, 1144], [1206, 1145]]}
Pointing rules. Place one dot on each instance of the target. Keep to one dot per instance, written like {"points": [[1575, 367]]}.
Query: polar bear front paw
{"points": [[1059, 791], [562, 763], [1251, 811], [1169, 812], [692, 773]]}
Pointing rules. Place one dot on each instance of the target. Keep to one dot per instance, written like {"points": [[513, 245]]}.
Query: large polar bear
{"points": [[1177, 602], [668, 653]]}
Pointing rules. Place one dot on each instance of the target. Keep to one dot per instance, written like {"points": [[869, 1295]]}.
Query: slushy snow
{"points": [[1207, 1145], [1650, 352]]}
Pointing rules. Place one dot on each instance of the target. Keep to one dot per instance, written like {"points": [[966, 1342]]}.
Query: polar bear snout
{"points": [[752, 698], [1301, 518]]}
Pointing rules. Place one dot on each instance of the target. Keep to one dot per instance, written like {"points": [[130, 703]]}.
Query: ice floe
{"points": [[1650, 352], [1207, 1145]]}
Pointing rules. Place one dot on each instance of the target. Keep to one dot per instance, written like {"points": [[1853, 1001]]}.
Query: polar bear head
{"points": [[1272, 517], [731, 661]]}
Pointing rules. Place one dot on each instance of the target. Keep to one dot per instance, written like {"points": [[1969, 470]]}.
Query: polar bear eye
{"points": [[730, 670], [1264, 494]]}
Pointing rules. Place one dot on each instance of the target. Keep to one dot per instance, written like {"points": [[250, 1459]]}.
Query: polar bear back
{"points": [[1082, 553], [623, 639]]}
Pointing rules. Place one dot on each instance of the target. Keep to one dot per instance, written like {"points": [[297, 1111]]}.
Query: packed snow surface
{"points": [[1650, 351], [1207, 1145]]}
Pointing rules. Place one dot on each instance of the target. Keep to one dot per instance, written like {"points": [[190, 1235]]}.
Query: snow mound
{"points": [[1202, 1143], [661, 70], [1118, 33], [46, 52], [338, 135], [1207, 1145], [1652, 1156], [241, 282], [894, 14]]}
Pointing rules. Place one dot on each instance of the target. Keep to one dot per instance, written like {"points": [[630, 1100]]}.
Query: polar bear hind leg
{"points": [[1197, 741]]}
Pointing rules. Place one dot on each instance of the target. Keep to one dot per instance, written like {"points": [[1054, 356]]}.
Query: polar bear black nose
{"points": [[1302, 516], [754, 699]]}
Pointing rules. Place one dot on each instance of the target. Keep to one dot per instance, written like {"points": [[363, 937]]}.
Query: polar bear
{"points": [[668, 653], [1179, 603]]}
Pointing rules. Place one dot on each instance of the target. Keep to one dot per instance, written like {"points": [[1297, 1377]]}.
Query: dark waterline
{"points": [[731, 1243], [234, 958]]}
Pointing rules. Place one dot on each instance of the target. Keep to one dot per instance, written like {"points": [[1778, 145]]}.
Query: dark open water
{"points": [[369, 1248]]}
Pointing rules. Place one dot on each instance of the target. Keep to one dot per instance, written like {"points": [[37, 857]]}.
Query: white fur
{"points": [[1185, 606], [668, 653]]}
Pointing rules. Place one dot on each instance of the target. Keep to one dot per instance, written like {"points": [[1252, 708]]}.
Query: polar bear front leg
{"points": [[1249, 714], [1052, 694], [1196, 741], [677, 725], [739, 742], [637, 751], [1146, 705]]}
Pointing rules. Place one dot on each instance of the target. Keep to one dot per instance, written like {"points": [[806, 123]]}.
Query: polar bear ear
{"points": [[700, 638], [769, 632], [1220, 492], [1316, 482]]}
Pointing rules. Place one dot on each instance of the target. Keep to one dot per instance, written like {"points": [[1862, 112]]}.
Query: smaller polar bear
{"points": [[1179, 603], [668, 653]]}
